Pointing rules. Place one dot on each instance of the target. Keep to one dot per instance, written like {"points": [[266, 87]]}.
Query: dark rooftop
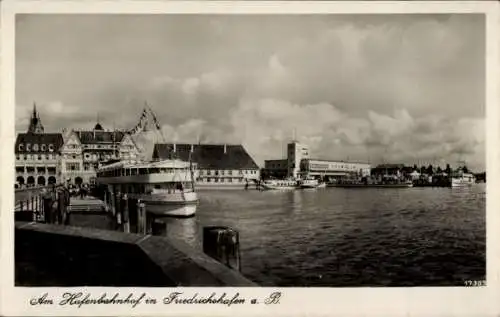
{"points": [[40, 139], [100, 136], [207, 156]]}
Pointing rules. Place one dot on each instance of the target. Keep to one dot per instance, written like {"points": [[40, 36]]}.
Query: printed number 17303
{"points": [[472, 283]]}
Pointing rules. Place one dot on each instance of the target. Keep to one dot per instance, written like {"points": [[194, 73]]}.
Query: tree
{"points": [[430, 170], [423, 169], [439, 170], [415, 167], [448, 169], [465, 169]]}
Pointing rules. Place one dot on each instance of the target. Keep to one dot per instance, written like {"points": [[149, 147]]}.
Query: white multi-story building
{"points": [[329, 168], [37, 154], [298, 164]]}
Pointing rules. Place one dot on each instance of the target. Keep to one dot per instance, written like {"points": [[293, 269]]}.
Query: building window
{"points": [[35, 147], [39, 157], [72, 166], [18, 157], [43, 147], [21, 147], [51, 147], [74, 157], [28, 147]]}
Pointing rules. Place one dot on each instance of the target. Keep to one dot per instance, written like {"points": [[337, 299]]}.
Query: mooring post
{"points": [[67, 213], [126, 218], [33, 205], [158, 227], [47, 210], [222, 244], [141, 214], [60, 208]]}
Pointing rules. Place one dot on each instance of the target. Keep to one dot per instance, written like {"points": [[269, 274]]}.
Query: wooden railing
{"points": [[47, 204]]}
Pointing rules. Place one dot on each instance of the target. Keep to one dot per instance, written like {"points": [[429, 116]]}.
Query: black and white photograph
{"points": [[333, 150]]}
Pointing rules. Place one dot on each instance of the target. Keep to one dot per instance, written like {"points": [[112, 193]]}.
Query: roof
{"points": [[208, 156], [97, 136], [55, 139]]}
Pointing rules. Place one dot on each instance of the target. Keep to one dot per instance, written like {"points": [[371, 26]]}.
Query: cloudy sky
{"points": [[383, 88]]}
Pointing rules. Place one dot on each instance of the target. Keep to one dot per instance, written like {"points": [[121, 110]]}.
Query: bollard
{"points": [[141, 218], [126, 218], [222, 244], [158, 227]]}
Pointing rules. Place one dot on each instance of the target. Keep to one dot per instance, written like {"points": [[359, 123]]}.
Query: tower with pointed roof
{"points": [[35, 122]]}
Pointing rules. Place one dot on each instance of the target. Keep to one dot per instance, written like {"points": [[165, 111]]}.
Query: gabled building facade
{"points": [[83, 151], [219, 165], [37, 155]]}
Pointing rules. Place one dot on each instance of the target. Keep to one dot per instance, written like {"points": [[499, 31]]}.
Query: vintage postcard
{"points": [[249, 158]]}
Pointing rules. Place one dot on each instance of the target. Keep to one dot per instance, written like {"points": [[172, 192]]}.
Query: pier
{"points": [[129, 249]]}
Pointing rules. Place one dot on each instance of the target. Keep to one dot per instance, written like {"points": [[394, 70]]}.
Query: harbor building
{"points": [[332, 169], [295, 153], [276, 168], [84, 150], [37, 154], [298, 164], [218, 165]]}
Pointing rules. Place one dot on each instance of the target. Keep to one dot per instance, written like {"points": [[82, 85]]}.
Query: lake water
{"points": [[350, 237]]}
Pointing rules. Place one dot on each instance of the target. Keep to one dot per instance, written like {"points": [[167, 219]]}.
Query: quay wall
{"points": [[54, 255]]}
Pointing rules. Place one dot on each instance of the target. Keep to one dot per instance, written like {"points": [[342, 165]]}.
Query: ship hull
{"points": [[173, 205]]}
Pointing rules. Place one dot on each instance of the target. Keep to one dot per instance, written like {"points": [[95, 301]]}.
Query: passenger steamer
{"points": [[166, 187], [461, 179]]}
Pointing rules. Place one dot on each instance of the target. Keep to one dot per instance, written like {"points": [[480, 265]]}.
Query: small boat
{"points": [[321, 185], [462, 179], [166, 187], [308, 183], [277, 184]]}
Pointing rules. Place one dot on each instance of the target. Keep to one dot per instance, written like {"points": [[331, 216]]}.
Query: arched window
{"points": [[28, 147], [21, 147], [51, 147], [44, 147], [35, 147]]}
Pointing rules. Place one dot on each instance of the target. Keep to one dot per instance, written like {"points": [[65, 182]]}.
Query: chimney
{"points": [[225, 149]]}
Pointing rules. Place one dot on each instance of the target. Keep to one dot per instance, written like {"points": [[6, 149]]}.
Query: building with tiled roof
{"points": [[218, 164], [37, 154]]}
